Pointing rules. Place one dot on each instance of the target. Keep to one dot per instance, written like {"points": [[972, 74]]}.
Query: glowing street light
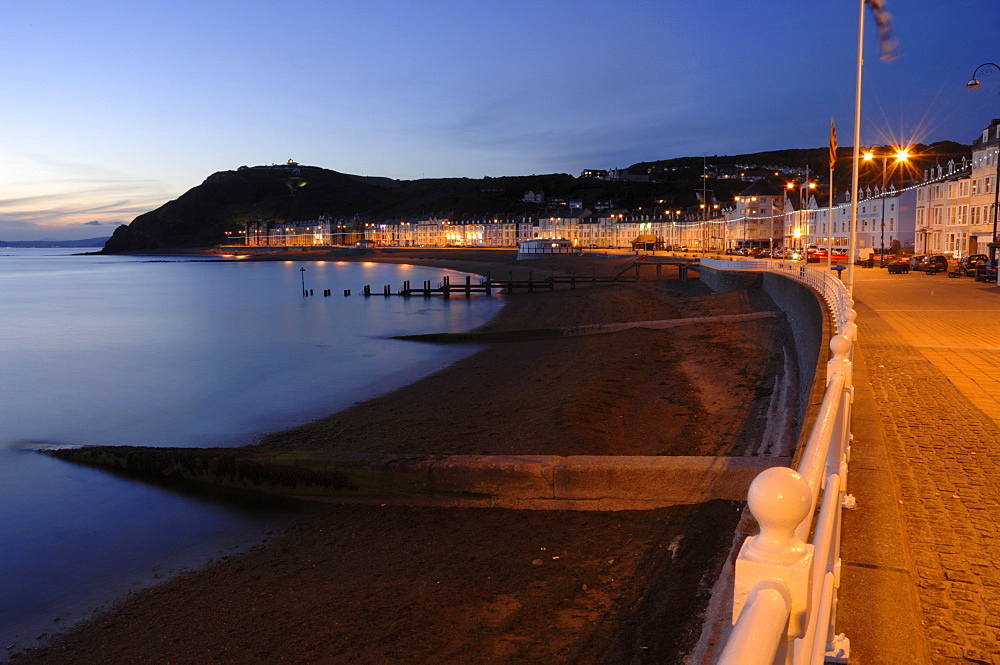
{"points": [[974, 82], [900, 155]]}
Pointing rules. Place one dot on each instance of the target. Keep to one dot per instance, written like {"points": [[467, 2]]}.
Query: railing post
{"points": [[840, 444], [850, 316], [779, 498]]}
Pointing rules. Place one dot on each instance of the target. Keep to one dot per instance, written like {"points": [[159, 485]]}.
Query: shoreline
{"points": [[388, 583]]}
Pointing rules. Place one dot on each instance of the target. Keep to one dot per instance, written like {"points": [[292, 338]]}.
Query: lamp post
{"points": [[788, 225], [799, 219], [972, 85], [902, 154]]}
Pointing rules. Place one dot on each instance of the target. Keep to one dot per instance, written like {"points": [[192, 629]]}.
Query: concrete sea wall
{"points": [[806, 315]]}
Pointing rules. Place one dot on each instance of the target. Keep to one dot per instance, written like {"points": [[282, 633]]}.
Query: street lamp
{"points": [[788, 223], [901, 155], [972, 85]]}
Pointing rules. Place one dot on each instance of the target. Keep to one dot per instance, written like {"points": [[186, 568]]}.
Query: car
{"points": [[967, 265], [897, 267], [915, 261], [933, 264]]}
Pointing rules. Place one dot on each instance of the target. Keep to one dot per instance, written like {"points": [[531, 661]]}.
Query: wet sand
{"points": [[388, 584]]}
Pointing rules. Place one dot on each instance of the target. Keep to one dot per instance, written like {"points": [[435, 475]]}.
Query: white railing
{"points": [[785, 589]]}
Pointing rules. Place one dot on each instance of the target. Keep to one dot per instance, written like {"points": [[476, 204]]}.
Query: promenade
{"points": [[920, 582]]}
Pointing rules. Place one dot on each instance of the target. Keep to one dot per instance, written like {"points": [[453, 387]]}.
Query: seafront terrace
{"points": [[917, 578]]}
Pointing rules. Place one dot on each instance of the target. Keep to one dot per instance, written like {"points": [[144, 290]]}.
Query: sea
{"points": [[174, 351]]}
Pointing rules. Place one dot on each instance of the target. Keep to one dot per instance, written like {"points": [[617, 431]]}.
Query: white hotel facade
{"points": [[951, 212], [956, 211], [763, 216]]}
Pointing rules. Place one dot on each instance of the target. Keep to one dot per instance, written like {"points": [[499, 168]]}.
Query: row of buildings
{"points": [[951, 211]]}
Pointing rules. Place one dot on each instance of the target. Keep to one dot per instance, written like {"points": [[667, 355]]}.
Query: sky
{"points": [[110, 109]]}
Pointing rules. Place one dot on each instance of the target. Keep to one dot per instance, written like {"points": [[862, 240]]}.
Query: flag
{"points": [[833, 144], [888, 45]]}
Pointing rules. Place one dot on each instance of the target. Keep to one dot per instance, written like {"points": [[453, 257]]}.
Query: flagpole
{"points": [[829, 228], [852, 247], [833, 164]]}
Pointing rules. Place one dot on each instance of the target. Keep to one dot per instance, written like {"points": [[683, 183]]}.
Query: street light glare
{"points": [[869, 156], [902, 155]]}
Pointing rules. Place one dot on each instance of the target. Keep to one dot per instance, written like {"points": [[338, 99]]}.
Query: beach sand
{"points": [[393, 584]]}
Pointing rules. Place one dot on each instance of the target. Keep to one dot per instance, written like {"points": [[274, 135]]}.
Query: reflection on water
{"points": [[116, 350]]}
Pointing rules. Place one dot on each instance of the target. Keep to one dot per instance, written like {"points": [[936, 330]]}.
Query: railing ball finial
{"points": [[779, 499], [840, 346]]}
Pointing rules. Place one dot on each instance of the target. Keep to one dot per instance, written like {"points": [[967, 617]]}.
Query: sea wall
{"points": [[807, 318], [526, 482]]}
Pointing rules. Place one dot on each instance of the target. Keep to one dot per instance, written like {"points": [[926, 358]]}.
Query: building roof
{"points": [[762, 188]]}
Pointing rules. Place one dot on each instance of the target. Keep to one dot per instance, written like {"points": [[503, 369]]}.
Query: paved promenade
{"points": [[921, 580]]}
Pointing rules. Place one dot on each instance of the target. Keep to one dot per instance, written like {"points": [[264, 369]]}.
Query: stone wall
{"points": [[807, 317]]}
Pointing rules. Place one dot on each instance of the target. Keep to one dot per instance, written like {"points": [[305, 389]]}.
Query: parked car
{"points": [[967, 265], [915, 261], [933, 264], [897, 267]]}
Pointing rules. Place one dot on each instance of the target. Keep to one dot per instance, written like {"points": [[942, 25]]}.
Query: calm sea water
{"points": [[123, 350]]}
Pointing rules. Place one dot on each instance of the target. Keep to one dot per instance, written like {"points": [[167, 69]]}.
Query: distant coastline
{"points": [[47, 244]]}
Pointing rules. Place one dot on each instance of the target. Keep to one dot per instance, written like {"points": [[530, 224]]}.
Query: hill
{"points": [[227, 200], [817, 159]]}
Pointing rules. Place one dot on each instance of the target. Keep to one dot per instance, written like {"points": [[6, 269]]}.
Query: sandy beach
{"points": [[390, 584]]}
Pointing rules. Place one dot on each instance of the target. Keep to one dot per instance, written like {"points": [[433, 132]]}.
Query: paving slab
{"points": [[929, 396]]}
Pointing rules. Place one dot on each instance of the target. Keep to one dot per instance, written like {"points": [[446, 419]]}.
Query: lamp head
{"points": [[972, 84]]}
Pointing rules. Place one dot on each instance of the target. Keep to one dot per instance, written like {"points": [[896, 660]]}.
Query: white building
{"points": [[956, 205], [758, 220], [942, 212], [983, 189]]}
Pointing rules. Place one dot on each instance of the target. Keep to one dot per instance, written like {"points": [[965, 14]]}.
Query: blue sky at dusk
{"points": [[111, 109]]}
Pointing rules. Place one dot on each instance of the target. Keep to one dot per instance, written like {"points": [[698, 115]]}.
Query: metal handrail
{"points": [[784, 502], [766, 613], [814, 459]]}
